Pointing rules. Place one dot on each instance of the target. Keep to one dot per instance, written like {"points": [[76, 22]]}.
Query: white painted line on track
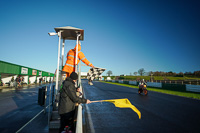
{"points": [[90, 120], [89, 117], [31, 120]]}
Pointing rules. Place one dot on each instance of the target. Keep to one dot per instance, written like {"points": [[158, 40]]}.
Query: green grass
{"points": [[171, 92], [175, 78], [159, 78], [192, 78], [155, 78]]}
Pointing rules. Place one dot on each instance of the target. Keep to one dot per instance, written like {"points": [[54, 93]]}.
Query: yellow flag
{"points": [[124, 103]]}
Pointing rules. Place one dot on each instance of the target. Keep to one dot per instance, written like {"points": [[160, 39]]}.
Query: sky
{"points": [[119, 35]]}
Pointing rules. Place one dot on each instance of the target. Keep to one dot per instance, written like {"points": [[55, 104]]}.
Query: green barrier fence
{"points": [[175, 87]]}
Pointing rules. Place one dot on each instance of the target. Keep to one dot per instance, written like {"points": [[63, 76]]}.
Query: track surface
{"points": [[19, 106], [161, 113]]}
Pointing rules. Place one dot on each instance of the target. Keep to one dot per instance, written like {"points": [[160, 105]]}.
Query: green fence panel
{"points": [[175, 87], [126, 82], [51, 74], [30, 71], [45, 73], [9, 68]]}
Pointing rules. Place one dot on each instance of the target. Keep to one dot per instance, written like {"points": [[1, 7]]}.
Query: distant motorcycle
{"points": [[143, 89]]}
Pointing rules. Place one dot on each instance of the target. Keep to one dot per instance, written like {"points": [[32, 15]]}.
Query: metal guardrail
{"points": [[79, 124]]}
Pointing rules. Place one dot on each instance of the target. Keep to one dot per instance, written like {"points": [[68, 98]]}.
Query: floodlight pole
{"points": [[78, 35], [79, 76], [57, 72], [63, 46]]}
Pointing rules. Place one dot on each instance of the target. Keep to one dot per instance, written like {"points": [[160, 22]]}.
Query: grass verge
{"points": [[171, 92]]}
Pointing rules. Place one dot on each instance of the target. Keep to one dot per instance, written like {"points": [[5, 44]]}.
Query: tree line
{"points": [[142, 72]]}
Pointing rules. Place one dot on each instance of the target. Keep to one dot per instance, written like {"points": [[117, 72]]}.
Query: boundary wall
{"points": [[167, 86], [30, 75]]}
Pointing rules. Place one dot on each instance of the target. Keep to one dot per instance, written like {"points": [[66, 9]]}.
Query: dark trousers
{"points": [[67, 119]]}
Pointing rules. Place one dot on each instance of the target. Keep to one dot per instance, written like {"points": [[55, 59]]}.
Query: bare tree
{"points": [[135, 73], [141, 71], [109, 72]]}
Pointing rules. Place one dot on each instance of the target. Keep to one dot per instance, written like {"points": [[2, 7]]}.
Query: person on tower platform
{"points": [[71, 60]]}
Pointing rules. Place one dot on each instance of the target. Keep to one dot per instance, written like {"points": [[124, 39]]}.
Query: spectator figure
{"points": [[22, 82], [12, 79], [19, 81], [71, 60], [40, 80], [1, 82], [67, 102]]}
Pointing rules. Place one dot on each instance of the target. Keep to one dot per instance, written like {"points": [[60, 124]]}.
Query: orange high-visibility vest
{"points": [[71, 60]]}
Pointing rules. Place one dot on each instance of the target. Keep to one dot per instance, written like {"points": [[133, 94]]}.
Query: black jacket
{"points": [[68, 97]]}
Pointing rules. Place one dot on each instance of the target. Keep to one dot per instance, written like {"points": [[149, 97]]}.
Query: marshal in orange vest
{"points": [[71, 60]]}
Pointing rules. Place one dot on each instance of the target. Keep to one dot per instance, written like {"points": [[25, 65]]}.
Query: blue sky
{"points": [[119, 35]]}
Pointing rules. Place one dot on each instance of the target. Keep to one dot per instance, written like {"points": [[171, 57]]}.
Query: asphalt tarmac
{"points": [[18, 107], [161, 113]]}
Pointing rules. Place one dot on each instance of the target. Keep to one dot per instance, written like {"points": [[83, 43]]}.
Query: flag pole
{"points": [[96, 101]]}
